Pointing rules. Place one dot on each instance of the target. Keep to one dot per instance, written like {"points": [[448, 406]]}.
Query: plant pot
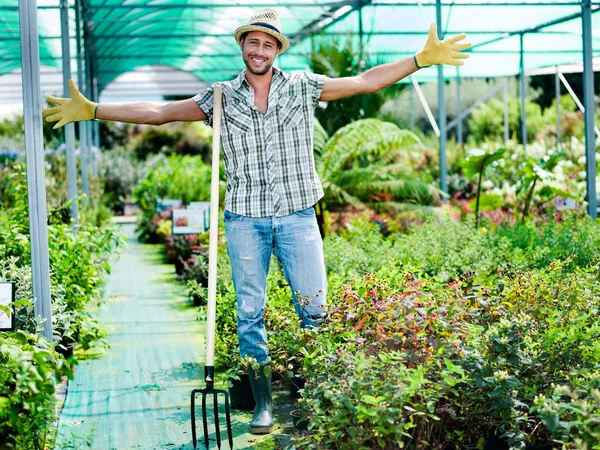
{"points": [[65, 349], [198, 301], [240, 393], [179, 266], [296, 385], [299, 421]]}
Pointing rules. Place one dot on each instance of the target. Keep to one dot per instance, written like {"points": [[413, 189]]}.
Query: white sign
{"points": [[565, 203], [199, 205], [7, 296], [190, 221], [163, 204]]}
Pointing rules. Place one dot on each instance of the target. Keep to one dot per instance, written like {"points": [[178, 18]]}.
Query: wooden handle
{"points": [[214, 230]]}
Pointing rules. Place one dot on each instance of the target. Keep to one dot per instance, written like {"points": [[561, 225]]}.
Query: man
{"points": [[267, 140]]}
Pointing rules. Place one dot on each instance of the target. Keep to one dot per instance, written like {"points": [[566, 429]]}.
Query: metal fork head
{"points": [[209, 390]]}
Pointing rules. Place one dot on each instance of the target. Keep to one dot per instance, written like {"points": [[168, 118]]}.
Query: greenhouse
{"points": [[299, 224]]}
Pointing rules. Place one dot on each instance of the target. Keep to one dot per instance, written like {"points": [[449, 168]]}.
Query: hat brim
{"points": [[285, 44]]}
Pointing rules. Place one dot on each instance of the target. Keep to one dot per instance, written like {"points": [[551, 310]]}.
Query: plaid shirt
{"points": [[268, 157]]}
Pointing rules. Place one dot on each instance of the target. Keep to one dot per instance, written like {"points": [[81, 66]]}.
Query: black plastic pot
{"points": [[296, 385], [65, 350], [502, 444], [299, 421], [240, 394], [198, 301], [179, 266]]}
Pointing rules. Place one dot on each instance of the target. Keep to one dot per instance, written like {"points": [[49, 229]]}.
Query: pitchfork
{"points": [[209, 367]]}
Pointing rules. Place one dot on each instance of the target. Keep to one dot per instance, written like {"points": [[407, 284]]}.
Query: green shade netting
{"points": [[197, 36]]}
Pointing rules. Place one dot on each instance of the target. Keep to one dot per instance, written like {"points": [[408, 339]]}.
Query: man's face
{"points": [[259, 51]]}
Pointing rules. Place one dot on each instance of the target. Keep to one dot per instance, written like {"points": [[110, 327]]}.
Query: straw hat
{"points": [[267, 21]]}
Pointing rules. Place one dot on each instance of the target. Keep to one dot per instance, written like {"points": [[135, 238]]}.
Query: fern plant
{"points": [[369, 163]]}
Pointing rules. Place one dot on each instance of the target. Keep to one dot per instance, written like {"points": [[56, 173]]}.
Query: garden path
{"points": [[136, 395]]}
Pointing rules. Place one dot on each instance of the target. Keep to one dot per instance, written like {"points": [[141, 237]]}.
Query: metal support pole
{"points": [[441, 104], [69, 128], [83, 128], [90, 89], [588, 103], [557, 93], [523, 87], [34, 150], [484, 98], [412, 108], [576, 100], [360, 30], [459, 124], [506, 123]]}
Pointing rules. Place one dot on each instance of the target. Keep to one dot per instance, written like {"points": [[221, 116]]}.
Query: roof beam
{"points": [[409, 3], [297, 35], [156, 57], [535, 29]]}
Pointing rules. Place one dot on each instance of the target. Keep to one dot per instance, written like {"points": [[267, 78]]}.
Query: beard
{"points": [[262, 71]]}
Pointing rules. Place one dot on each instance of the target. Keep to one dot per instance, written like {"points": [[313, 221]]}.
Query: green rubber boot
{"points": [[262, 420]]}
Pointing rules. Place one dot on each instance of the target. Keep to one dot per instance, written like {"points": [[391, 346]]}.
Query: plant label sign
{"points": [[565, 203], [7, 297], [190, 221], [163, 204]]}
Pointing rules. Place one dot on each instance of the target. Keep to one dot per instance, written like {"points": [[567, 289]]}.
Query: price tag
{"points": [[565, 203], [190, 221], [7, 297], [163, 204]]}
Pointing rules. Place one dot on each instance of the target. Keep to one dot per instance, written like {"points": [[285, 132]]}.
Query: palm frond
{"points": [[320, 139]]}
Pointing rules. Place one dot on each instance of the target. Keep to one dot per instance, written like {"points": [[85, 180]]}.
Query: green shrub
{"points": [[120, 171], [28, 369], [178, 138], [487, 120]]}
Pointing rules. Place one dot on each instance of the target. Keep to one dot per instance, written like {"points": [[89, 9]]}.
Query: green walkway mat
{"points": [[136, 395]]}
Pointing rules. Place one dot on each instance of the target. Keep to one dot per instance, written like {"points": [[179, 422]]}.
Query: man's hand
{"points": [[444, 52], [71, 109]]}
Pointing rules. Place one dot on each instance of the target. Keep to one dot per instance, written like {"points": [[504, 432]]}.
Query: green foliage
{"points": [[378, 402], [28, 368], [475, 163], [571, 412], [336, 59], [169, 139], [120, 171], [487, 121], [451, 364], [369, 161], [176, 177]]}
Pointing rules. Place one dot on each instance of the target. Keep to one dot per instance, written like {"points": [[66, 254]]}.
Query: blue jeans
{"points": [[296, 242]]}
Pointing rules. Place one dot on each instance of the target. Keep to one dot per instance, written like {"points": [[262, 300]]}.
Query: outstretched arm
{"points": [[79, 108], [379, 77], [151, 114]]}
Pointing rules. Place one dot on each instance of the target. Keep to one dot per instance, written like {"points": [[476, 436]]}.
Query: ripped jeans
{"points": [[296, 242]]}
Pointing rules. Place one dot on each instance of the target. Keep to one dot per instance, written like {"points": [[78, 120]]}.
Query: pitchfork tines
{"points": [[208, 390]]}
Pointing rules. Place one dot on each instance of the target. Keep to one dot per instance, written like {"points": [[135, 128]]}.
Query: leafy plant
{"points": [[475, 163], [28, 368], [336, 59]]}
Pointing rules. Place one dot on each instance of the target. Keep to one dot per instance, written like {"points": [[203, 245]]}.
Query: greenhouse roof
{"points": [[196, 36]]}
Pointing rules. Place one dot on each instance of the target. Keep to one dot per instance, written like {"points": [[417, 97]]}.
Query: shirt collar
{"points": [[241, 86]]}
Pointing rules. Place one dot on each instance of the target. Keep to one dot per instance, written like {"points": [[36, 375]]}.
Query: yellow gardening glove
{"points": [[444, 52], [71, 109]]}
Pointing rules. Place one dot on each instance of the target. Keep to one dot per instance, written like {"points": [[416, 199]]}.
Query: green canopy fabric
{"points": [[196, 36]]}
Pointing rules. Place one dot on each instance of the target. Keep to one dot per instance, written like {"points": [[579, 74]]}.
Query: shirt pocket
{"points": [[290, 111], [238, 118]]}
